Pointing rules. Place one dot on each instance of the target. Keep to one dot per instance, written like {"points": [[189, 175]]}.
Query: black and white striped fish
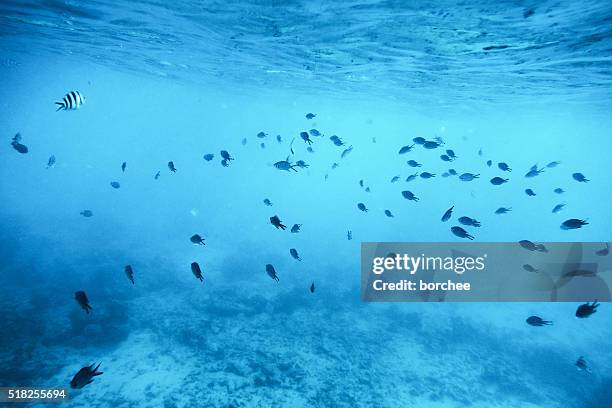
{"points": [[72, 100]]}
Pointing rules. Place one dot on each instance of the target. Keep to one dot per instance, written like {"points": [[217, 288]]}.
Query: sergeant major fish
{"points": [[72, 101]]}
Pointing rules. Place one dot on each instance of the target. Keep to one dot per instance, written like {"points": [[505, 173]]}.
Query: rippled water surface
{"points": [[443, 52]]}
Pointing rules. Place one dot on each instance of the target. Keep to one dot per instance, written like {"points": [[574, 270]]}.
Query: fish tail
{"points": [[61, 106]]}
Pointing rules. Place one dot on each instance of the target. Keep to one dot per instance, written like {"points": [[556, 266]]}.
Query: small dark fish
{"points": [[262, 145], [533, 171], [573, 223], [346, 152], [412, 177], [225, 163], [86, 213], [480, 152], [580, 272], [244, 141], [603, 252], [82, 300], [349, 235], [85, 376], [469, 221], [405, 149], [197, 239], [447, 215], [489, 163], [129, 272], [21, 148], [209, 156], [394, 179], [427, 175], [115, 184], [414, 163], [468, 176], [367, 189], [388, 214], [582, 365], [452, 172], [51, 162], [553, 164], [274, 220], [558, 208], [314, 132], [310, 116], [430, 144], [461, 233], [496, 181], [171, 166], [559, 190], [529, 268], [296, 228], [586, 309], [262, 135], [530, 192], [312, 288], [445, 158], [294, 254], [445, 174], [335, 166], [306, 137], [503, 166], [279, 139], [156, 175], [197, 272], [362, 207], [503, 210], [336, 140], [580, 177], [285, 165], [419, 140], [271, 272], [528, 13], [267, 202], [530, 246], [537, 321], [226, 156], [409, 195], [309, 149], [123, 166]]}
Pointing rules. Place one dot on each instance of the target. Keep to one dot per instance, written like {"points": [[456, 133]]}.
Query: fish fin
{"points": [[61, 106]]}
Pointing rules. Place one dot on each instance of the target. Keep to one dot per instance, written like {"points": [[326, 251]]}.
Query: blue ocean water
{"points": [[525, 83]]}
